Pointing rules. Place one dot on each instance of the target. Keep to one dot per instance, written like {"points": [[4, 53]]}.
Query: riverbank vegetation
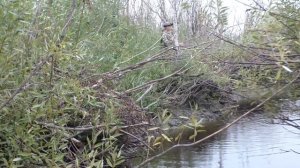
{"points": [[87, 83]]}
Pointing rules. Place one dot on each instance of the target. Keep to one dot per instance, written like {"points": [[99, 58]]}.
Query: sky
{"points": [[237, 11]]}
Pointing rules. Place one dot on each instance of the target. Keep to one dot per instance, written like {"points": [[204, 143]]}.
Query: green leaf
{"points": [[200, 130], [23, 154], [178, 136], [192, 136], [109, 162], [184, 117], [157, 143], [17, 159], [278, 75], [154, 128], [166, 137], [99, 164], [119, 162]]}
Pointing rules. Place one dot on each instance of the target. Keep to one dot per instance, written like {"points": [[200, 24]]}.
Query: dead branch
{"points": [[146, 92], [127, 133], [289, 122], [154, 10], [33, 33], [248, 63], [221, 129], [122, 72], [68, 21], [274, 15], [149, 48], [155, 81], [241, 46], [295, 151], [125, 70], [226, 91], [87, 127]]}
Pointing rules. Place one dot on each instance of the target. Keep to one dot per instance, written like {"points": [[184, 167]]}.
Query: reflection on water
{"points": [[251, 143]]}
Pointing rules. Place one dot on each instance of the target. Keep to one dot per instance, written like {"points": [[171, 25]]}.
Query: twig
{"points": [[68, 21], [291, 55], [155, 81], [149, 48], [290, 130], [135, 66], [22, 87], [224, 90], [262, 8], [146, 92], [153, 10], [295, 151], [221, 129], [241, 46], [89, 127], [248, 63], [123, 71], [125, 132], [33, 33]]}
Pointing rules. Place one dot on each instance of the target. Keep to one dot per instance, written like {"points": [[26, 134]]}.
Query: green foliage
{"points": [[219, 13], [277, 34], [76, 43], [96, 40], [196, 126]]}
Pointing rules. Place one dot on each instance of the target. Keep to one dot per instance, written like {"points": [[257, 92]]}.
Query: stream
{"points": [[253, 142]]}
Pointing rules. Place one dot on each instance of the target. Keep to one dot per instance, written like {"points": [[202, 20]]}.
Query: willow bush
{"points": [[52, 53], [73, 43]]}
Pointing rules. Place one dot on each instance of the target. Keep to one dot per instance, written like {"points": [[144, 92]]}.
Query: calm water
{"points": [[251, 143]]}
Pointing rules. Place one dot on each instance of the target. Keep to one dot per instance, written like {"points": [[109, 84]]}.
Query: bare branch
{"points": [[88, 127], [68, 21], [154, 81], [295, 151], [154, 11], [146, 92], [125, 132]]}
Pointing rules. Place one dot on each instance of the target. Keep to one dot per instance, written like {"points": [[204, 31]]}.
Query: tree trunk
{"points": [[175, 5]]}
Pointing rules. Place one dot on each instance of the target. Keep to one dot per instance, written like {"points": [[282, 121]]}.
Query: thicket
{"points": [[51, 54], [86, 64], [272, 37]]}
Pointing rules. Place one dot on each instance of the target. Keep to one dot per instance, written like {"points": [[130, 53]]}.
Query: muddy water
{"points": [[251, 143]]}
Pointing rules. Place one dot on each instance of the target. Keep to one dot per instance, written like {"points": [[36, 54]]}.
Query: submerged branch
{"points": [[127, 133]]}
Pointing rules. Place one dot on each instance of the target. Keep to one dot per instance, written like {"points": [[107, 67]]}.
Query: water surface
{"points": [[251, 143]]}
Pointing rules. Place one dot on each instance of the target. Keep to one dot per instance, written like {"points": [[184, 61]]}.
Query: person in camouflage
{"points": [[167, 35]]}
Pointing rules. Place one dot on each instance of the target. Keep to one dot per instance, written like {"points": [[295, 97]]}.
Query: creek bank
{"points": [[201, 99], [211, 111]]}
